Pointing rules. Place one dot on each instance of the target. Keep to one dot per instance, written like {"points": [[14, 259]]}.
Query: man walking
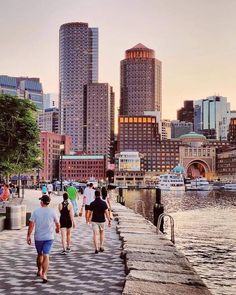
{"points": [[89, 196], [72, 192], [44, 220], [97, 211]]}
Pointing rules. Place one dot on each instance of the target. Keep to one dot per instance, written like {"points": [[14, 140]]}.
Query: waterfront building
{"points": [[179, 128], [84, 167], [23, 87], [50, 100], [186, 113], [48, 120], [141, 82], [226, 165], [212, 116], [99, 115], [78, 53], [140, 133], [129, 169], [53, 145]]}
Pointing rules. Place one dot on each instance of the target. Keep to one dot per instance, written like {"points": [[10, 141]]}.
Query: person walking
{"points": [[50, 188], [66, 223], [98, 210], [89, 196], [45, 222], [72, 192]]}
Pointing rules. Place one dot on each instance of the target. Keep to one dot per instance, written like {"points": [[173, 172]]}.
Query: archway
{"points": [[197, 168]]}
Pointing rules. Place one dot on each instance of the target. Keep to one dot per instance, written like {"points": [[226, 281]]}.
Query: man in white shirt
{"points": [[89, 196]]}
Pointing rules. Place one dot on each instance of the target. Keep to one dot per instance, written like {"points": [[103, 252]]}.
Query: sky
{"points": [[194, 39]]}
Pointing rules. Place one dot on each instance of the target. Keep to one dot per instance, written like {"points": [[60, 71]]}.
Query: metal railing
{"points": [[172, 227], [142, 207]]}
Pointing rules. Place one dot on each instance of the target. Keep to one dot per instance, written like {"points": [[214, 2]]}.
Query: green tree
{"points": [[19, 136]]}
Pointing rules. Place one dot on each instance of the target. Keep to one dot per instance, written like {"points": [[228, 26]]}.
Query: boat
{"points": [[200, 184], [229, 187], [171, 182]]}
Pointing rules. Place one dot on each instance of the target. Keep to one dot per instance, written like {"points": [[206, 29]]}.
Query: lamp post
{"points": [[61, 154], [38, 180]]}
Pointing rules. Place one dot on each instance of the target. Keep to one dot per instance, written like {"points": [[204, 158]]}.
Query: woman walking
{"points": [[66, 223]]}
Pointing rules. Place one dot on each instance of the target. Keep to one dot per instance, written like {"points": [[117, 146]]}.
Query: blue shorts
{"points": [[43, 247]]}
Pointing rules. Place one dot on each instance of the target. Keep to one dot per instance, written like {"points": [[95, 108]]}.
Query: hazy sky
{"points": [[194, 39]]}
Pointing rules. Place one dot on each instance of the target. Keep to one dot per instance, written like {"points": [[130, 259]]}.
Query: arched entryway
{"points": [[197, 168]]}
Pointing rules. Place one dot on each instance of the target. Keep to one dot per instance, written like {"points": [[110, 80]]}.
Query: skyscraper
{"points": [[212, 116], [99, 124], [140, 81], [78, 67]]}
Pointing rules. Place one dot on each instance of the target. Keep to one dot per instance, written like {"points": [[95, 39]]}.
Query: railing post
{"points": [[160, 218]]}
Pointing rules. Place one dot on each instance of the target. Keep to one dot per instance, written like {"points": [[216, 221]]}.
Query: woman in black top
{"points": [[66, 223]]}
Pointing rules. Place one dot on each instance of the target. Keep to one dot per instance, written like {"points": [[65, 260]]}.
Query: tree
{"points": [[19, 135]]}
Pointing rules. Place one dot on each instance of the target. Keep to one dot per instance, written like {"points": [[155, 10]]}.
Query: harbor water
{"points": [[205, 231]]}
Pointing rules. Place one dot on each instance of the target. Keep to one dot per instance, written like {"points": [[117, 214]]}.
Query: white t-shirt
{"points": [[50, 187], [89, 194]]}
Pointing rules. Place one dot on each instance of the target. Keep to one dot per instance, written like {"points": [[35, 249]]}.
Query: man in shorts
{"points": [[89, 196], [45, 221], [98, 210]]}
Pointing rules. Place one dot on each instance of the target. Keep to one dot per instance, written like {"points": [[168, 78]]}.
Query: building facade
{"points": [[84, 167], [186, 113], [179, 128], [232, 130], [141, 82], [226, 165], [99, 115], [50, 144], [78, 53], [48, 120], [23, 87], [211, 117]]}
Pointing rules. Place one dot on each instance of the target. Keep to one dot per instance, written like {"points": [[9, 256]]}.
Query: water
{"points": [[205, 231]]}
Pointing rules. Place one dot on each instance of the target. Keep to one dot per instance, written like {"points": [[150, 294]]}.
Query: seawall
{"points": [[153, 265]]}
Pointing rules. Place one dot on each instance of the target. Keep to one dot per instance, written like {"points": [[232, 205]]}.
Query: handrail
{"points": [[171, 225], [142, 205]]}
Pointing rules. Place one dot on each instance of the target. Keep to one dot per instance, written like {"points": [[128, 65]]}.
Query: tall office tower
{"points": [[97, 122], [212, 116], [140, 82], [187, 112], [48, 120], [78, 67], [24, 87]]}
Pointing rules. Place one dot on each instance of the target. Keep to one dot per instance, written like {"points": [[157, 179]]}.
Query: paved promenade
{"points": [[79, 272]]}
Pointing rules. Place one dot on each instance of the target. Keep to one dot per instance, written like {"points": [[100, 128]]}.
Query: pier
{"points": [[136, 260]]}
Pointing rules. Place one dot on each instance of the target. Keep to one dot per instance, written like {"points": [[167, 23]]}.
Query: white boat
{"points": [[200, 184], [230, 187], [171, 182]]}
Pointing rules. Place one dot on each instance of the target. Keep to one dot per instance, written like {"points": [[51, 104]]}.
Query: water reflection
{"points": [[204, 230]]}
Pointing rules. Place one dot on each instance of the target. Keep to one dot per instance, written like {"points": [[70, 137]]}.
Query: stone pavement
{"points": [[79, 272]]}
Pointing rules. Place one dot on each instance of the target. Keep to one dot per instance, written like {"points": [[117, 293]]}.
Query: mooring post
{"points": [[158, 209]]}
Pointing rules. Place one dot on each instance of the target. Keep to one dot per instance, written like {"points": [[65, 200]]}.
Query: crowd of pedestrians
{"points": [[44, 221]]}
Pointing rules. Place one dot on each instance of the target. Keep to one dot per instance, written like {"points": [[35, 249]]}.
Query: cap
{"points": [[45, 199]]}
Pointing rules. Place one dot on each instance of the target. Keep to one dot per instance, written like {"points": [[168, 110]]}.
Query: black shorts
{"points": [[87, 207]]}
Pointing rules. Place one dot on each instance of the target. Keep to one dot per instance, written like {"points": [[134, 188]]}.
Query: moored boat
{"points": [[200, 184], [229, 187], [171, 182]]}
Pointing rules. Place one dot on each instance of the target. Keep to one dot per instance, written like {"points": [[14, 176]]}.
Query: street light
{"points": [[61, 154]]}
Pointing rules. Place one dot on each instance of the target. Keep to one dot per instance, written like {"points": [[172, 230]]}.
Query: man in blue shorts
{"points": [[44, 220]]}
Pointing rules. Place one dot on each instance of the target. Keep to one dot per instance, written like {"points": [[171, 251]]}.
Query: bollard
{"points": [[158, 209], [28, 215], [13, 217]]}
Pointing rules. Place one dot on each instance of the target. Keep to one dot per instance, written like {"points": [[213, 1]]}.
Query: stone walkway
{"points": [[79, 272]]}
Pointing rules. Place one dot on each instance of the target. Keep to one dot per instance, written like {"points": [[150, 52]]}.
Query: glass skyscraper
{"points": [[78, 66]]}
